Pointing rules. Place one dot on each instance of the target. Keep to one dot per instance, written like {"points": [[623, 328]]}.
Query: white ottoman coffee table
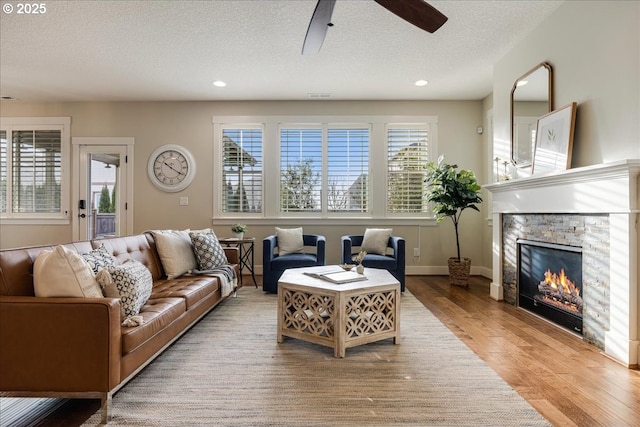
{"points": [[338, 315]]}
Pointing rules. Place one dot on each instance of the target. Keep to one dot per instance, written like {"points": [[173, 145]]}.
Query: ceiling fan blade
{"points": [[320, 22], [417, 12]]}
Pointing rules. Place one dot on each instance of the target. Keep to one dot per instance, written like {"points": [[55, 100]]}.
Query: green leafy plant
{"points": [[451, 191], [238, 228]]}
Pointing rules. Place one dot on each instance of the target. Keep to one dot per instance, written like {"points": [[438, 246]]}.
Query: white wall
{"points": [[594, 49], [190, 124]]}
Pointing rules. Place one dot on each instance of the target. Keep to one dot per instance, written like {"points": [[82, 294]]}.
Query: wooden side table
{"points": [[246, 259]]}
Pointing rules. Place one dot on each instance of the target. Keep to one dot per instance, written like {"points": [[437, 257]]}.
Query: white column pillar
{"points": [[621, 341], [497, 291]]}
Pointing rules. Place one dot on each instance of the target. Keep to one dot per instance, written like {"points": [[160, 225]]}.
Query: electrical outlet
{"points": [[416, 251]]}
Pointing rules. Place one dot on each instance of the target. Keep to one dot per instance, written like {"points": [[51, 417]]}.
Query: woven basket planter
{"points": [[459, 271]]}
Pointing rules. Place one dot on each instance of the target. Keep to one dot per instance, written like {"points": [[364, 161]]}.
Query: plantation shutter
{"points": [[300, 166], [348, 170], [408, 156], [36, 171], [242, 170], [3, 171]]}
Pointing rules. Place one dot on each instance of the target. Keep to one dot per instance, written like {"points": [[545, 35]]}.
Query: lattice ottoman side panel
{"points": [[309, 313], [370, 314]]}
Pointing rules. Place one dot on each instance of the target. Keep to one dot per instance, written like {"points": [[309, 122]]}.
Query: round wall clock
{"points": [[171, 168]]}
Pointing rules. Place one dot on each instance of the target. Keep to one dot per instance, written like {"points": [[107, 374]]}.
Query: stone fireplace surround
{"points": [[596, 207]]}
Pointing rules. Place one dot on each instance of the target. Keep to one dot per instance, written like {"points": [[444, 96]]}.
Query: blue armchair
{"points": [[394, 263], [273, 265]]}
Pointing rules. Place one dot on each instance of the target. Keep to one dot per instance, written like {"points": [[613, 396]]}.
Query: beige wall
{"points": [[190, 124]]}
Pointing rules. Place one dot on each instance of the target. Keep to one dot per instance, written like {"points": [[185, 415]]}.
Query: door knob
{"points": [[82, 215]]}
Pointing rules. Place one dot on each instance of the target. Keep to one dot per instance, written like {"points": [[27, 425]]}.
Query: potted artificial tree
{"points": [[452, 191]]}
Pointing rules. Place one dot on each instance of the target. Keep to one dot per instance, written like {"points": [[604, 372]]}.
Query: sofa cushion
{"points": [[133, 282], [176, 253], [99, 258], [192, 288], [61, 272], [208, 250], [158, 315], [375, 240], [290, 241]]}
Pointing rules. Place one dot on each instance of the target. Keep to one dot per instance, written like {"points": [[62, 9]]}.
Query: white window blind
{"points": [[348, 169], [242, 170], [36, 170], [300, 169], [3, 171], [408, 155]]}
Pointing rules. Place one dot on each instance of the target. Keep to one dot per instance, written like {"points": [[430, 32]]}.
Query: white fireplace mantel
{"points": [[610, 188]]}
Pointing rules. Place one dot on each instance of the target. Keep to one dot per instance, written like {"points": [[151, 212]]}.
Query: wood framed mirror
{"points": [[531, 98]]}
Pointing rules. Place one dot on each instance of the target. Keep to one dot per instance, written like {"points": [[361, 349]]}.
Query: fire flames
{"points": [[559, 291], [557, 281]]}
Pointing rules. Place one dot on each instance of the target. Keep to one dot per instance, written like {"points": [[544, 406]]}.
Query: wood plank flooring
{"points": [[568, 381]]}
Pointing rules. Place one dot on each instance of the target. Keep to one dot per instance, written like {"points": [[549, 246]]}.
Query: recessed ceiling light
{"points": [[219, 83], [421, 83]]}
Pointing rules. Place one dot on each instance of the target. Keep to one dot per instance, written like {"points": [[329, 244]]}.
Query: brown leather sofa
{"points": [[76, 347]]}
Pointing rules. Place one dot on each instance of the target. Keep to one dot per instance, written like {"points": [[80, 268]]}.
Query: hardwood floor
{"points": [[567, 380], [570, 382]]}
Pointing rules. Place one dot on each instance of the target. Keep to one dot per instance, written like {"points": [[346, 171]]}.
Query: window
{"points": [[242, 170], [348, 170], [408, 155], [337, 168], [34, 165], [300, 169], [342, 177]]}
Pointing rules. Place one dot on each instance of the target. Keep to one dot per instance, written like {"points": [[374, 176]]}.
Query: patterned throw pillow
{"points": [[99, 258], [133, 282], [208, 250]]}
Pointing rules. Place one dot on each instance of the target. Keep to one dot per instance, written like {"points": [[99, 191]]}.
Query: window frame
{"points": [[10, 124], [377, 204]]}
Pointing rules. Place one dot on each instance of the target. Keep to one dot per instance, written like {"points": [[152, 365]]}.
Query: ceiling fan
{"points": [[416, 12]]}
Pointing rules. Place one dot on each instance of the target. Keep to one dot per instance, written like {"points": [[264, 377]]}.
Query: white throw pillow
{"points": [[375, 240], [61, 272], [176, 253], [133, 282], [290, 240]]}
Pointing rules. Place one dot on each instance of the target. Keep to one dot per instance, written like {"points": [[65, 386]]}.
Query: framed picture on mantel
{"points": [[554, 140]]}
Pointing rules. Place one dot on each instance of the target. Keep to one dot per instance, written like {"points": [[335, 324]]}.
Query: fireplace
{"points": [[599, 213], [550, 282]]}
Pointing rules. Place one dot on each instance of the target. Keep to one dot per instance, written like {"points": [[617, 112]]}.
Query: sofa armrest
{"points": [[59, 344]]}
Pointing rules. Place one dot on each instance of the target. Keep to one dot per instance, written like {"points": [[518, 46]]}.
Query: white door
{"points": [[102, 201]]}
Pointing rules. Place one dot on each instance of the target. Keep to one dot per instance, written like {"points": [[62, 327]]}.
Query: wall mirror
{"points": [[531, 98]]}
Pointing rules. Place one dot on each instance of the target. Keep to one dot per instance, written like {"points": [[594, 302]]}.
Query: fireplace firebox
{"points": [[550, 282]]}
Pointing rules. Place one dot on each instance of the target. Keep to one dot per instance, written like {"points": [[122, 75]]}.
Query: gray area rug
{"points": [[228, 370]]}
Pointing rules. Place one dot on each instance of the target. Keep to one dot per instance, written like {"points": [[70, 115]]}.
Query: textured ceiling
{"points": [[174, 50]]}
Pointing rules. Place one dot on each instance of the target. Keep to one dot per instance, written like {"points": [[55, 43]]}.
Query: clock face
{"points": [[171, 168]]}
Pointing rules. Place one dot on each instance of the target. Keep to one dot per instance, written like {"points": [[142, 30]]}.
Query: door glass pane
{"points": [[103, 215]]}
